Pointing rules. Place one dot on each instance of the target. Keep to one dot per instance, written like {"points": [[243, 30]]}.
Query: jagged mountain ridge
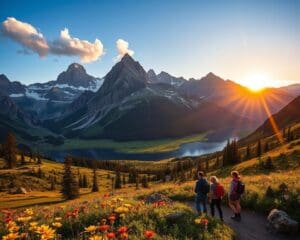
{"points": [[165, 77], [127, 91], [128, 107]]}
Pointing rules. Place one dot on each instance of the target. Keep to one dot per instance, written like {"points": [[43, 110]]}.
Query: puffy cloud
{"points": [[123, 48], [26, 35], [68, 45]]}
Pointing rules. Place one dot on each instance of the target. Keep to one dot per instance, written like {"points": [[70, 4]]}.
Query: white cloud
{"points": [[123, 48], [70, 46], [26, 35], [65, 45]]}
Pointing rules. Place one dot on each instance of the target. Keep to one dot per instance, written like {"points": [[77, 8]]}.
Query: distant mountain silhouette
{"points": [[237, 98]]}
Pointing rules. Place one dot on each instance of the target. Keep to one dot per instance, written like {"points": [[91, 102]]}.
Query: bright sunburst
{"points": [[257, 81]]}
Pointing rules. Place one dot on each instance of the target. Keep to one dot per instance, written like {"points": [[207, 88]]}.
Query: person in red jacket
{"points": [[216, 195]]}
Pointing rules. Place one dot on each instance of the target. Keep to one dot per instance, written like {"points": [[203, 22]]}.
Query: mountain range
{"points": [[132, 104]]}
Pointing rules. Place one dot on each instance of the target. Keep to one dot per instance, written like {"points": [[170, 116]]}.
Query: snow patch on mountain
{"points": [[16, 95]]}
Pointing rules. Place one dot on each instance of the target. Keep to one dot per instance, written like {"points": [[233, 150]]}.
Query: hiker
{"points": [[235, 190], [201, 190], [217, 192]]}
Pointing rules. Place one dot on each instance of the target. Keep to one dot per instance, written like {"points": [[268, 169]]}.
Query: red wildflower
{"points": [[112, 218], [149, 234], [122, 230], [104, 228], [204, 221], [124, 235], [110, 235]]}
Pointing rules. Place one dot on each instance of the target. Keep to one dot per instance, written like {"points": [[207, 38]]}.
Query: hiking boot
{"points": [[234, 217]]}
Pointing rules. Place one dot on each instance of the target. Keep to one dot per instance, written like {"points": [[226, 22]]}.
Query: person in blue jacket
{"points": [[201, 190]]}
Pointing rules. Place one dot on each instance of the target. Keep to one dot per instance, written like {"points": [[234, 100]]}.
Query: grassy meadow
{"points": [[42, 213]]}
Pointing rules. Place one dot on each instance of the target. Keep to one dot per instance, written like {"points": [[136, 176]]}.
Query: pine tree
{"points": [[289, 134], [269, 164], [284, 133], [218, 161], [80, 181], [23, 159], [124, 179], [95, 187], [226, 153], [137, 182], [39, 160], [207, 164], [40, 173], [266, 147], [85, 183], [70, 189], [145, 182], [52, 187], [10, 151], [248, 153], [258, 148], [235, 152], [118, 183]]}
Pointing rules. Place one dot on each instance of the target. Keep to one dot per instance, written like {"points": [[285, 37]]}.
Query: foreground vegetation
{"points": [[106, 217], [115, 208]]}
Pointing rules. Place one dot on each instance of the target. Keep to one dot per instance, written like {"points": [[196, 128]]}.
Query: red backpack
{"points": [[220, 191]]}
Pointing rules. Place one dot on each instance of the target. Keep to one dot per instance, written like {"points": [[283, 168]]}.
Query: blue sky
{"points": [[233, 39]]}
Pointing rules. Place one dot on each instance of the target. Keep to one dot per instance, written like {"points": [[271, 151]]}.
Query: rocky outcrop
{"points": [[18, 190], [156, 198], [279, 221]]}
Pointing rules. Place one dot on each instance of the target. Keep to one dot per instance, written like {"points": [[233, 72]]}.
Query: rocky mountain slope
{"points": [[287, 116]]}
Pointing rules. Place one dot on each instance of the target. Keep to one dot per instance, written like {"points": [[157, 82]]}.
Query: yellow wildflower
{"points": [[29, 212], [127, 205], [58, 219], [96, 237], [12, 227], [24, 219], [198, 221], [122, 215], [121, 210], [91, 229], [46, 232], [33, 226], [56, 224], [10, 236]]}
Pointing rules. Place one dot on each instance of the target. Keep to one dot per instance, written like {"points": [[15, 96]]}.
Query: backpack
{"points": [[240, 187], [205, 188], [220, 191]]}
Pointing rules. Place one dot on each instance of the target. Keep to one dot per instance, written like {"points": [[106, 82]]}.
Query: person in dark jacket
{"points": [[201, 190], [234, 197]]}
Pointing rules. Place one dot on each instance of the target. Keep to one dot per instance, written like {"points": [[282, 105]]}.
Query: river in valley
{"points": [[185, 150]]}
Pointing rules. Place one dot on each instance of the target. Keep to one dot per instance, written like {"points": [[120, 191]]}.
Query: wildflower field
{"points": [[109, 217]]}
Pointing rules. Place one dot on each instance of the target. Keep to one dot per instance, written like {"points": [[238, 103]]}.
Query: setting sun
{"points": [[257, 81]]}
